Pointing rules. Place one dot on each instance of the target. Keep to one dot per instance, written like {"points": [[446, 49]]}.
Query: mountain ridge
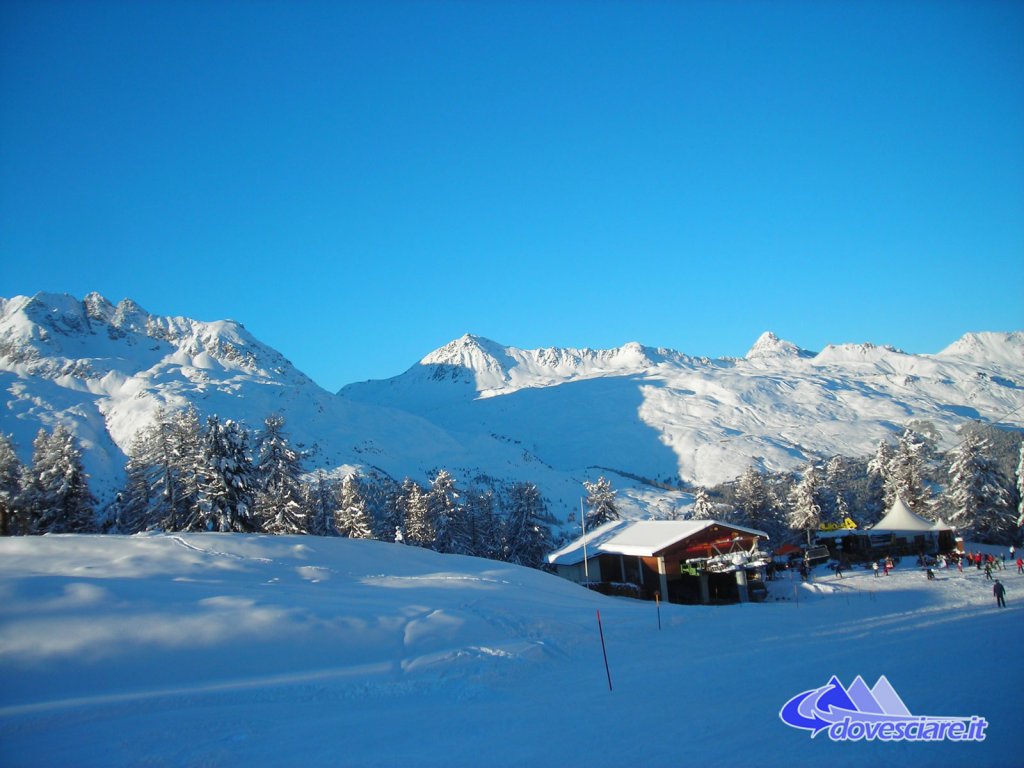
{"points": [[474, 406]]}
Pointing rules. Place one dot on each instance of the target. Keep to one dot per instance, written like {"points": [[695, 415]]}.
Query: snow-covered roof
{"points": [[641, 538], [900, 518], [572, 553]]}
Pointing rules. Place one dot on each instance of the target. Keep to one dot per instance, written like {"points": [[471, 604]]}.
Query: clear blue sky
{"points": [[361, 182]]}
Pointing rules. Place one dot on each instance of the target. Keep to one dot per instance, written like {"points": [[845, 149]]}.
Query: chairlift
{"points": [[815, 555]]}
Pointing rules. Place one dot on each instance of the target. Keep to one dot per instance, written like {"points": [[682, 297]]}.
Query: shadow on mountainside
{"points": [[580, 424]]}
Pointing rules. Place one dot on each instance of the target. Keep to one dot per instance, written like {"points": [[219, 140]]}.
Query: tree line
{"points": [[976, 487], [185, 474]]}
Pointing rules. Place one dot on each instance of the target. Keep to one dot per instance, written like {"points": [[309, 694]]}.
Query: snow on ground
{"points": [[225, 650]]}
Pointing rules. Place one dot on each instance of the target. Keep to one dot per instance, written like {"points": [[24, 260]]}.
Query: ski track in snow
{"points": [[405, 657]]}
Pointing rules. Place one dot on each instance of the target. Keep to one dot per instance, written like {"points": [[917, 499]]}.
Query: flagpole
{"points": [[583, 526]]}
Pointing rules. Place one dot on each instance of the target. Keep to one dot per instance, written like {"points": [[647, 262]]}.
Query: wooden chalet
{"points": [[684, 561]]}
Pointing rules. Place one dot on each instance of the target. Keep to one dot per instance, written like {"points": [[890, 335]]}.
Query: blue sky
{"points": [[359, 183]]}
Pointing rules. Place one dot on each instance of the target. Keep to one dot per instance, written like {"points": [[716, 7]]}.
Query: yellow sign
{"points": [[847, 524]]}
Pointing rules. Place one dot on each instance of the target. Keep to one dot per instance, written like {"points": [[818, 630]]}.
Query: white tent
{"points": [[899, 519]]}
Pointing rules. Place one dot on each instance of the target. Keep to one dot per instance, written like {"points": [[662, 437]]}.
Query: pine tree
{"points": [[418, 529], [352, 519], [881, 466], [833, 501], [703, 507], [225, 480], [976, 496], [842, 508], [180, 462], [756, 506], [134, 504], [11, 471], [451, 531], [161, 474], [907, 470], [1020, 490], [485, 529], [527, 537], [321, 501], [601, 501], [279, 501], [57, 497], [383, 504], [804, 512], [390, 522]]}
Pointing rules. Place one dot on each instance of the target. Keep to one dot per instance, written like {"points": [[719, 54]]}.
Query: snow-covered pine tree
{"points": [[842, 508], [134, 504], [601, 503], [152, 495], [321, 501], [907, 470], [703, 508], [1020, 490], [225, 480], [180, 462], [352, 519], [451, 530], [756, 504], [803, 510], [382, 495], [56, 496], [392, 498], [11, 471], [832, 497], [527, 537], [485, 528], [976, 497], [279, 505], [880, 466], [418, 529]]}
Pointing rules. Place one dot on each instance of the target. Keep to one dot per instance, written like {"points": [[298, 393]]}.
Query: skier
{"points": [[988, 571], [874, 567], [1000, 592], [1020, 565]]}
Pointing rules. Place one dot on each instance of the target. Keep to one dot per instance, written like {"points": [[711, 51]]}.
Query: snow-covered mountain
{"points": [[552, 416], [104, 370], [660, 414]]}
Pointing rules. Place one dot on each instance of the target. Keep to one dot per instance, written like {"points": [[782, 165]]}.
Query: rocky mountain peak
{"points": [[768, 345]]}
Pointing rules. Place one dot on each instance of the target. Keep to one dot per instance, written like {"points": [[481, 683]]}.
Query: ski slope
{"points": [[237, 650]]}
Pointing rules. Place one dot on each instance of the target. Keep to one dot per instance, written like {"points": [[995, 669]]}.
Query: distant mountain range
{"points": [[475, 407]]}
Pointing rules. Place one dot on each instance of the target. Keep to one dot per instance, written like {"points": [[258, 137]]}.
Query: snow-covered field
{"points": [[224, 650]]}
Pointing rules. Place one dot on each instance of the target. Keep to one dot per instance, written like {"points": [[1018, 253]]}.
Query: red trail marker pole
{"points": [[604, 653]]}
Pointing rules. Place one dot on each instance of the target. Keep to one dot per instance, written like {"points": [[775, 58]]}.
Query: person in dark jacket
{"points": [[1000, 592]]}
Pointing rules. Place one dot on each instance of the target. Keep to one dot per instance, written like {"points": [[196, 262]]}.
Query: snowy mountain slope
{"points": [[662, 414], [104, 370], [239, 650], [550, 416]]}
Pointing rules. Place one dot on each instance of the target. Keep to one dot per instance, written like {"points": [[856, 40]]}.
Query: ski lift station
{"points": [[684, 561]]}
